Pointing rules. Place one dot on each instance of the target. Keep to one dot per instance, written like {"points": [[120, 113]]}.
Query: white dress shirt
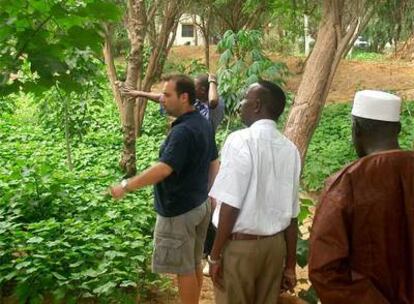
{"points": [[259, 174]]}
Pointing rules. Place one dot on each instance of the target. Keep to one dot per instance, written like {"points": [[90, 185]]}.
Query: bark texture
{"points": [[136, 34], [341, 22]]}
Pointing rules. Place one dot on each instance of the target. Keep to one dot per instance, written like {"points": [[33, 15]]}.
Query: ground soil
{"points": [[352, 75]]}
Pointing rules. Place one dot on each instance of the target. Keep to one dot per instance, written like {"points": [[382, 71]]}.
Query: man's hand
{"points": [[212, 78], [126, 91], [288, 280], [117, 191], [216, 275]]}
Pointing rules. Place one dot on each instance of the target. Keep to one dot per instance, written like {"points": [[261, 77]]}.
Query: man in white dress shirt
{"points": [[254, 252]]}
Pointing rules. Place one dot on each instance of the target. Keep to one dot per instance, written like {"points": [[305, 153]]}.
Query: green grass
{"points": [[331, 146], [360, 55]]}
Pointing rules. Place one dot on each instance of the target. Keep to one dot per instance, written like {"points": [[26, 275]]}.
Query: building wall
{"points": [[187, 21]]}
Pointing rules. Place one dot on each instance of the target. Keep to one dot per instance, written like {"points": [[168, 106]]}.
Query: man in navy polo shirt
{"points": [[182, 177]]}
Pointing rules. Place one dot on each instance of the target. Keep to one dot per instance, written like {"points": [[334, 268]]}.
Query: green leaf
{"points": [[58, 276], [104, 289], [302, 252], [102, 10], [81, 37], [35, 240], [128, 284]]}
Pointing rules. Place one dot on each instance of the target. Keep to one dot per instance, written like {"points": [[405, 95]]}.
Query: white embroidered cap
{"points": [[377, 105]]}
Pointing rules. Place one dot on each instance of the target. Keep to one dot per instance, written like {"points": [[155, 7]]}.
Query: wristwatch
{"points": [[124, 184], [213, 262], [212, 78]]}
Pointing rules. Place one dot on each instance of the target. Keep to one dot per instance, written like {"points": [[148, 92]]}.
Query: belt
{"points": [[247, 237]]}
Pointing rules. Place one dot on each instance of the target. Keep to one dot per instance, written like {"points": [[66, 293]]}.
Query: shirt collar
{"points": [[264, 123], [184, 117], [200, 103]]}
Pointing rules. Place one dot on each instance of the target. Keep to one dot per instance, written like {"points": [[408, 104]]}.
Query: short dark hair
{"points": [[202, 79], [183, 84], [273, 98]]}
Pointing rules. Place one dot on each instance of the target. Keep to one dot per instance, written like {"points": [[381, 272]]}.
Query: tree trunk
{"points": [[158, 56], [333, 38], [111, 70], [136, 34], [65, 101], [194, 20], [207, 51], [67, 135], [206, 34]]}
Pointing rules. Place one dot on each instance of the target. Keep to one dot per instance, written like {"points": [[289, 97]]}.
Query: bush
{"points": [[61, 236], [243, 62], [331, 146]]}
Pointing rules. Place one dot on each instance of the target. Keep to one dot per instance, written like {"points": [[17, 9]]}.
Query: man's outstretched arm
{"points": [[153, 175], [154, 96]]}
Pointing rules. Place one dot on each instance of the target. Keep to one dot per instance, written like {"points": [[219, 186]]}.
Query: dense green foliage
{"points": [[50, 38], [243, 62], [192, 68], [60, 235], [331, 146], [391, 23]]}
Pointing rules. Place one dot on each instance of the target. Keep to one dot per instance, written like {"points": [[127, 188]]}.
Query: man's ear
{"points": [[257, 105], [184, 97]]}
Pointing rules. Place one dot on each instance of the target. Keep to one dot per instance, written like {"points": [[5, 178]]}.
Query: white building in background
{"points": [[188, 33]]}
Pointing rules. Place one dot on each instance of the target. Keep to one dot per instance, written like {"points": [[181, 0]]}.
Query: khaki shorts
{"points": [[179, 241]]}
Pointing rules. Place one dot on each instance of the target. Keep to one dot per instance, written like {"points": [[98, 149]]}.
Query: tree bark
{"points": [[205, 26], [207, 50], [335, 33], [136, 34], [158, 56], [111, 70]]}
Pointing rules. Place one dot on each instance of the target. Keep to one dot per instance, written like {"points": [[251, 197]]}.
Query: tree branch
{"points": [[111, 69]]}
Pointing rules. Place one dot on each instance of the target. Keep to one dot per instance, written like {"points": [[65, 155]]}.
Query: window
{"points": [[187, 30]]}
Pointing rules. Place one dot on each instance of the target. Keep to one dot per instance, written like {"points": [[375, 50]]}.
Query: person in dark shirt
{"points": [[207, 100], [182, 177], [362, 237]]}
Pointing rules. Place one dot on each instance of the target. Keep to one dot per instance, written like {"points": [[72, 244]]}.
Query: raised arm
{"points": [[213, 97]]}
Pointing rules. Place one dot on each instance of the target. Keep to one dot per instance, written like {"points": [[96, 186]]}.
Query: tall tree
{"points": [[203, 11], [342, 21], [156, 22]]}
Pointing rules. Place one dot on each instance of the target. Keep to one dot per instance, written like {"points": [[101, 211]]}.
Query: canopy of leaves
{"points": [[47, 37], [243, 62], [392, 22]]}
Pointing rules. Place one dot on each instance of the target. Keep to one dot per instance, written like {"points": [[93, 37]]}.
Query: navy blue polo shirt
{"points": [[188, 149]]}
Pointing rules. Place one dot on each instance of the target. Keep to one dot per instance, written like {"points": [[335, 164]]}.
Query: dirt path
{"points": [[357, 75], [207, 294]]}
